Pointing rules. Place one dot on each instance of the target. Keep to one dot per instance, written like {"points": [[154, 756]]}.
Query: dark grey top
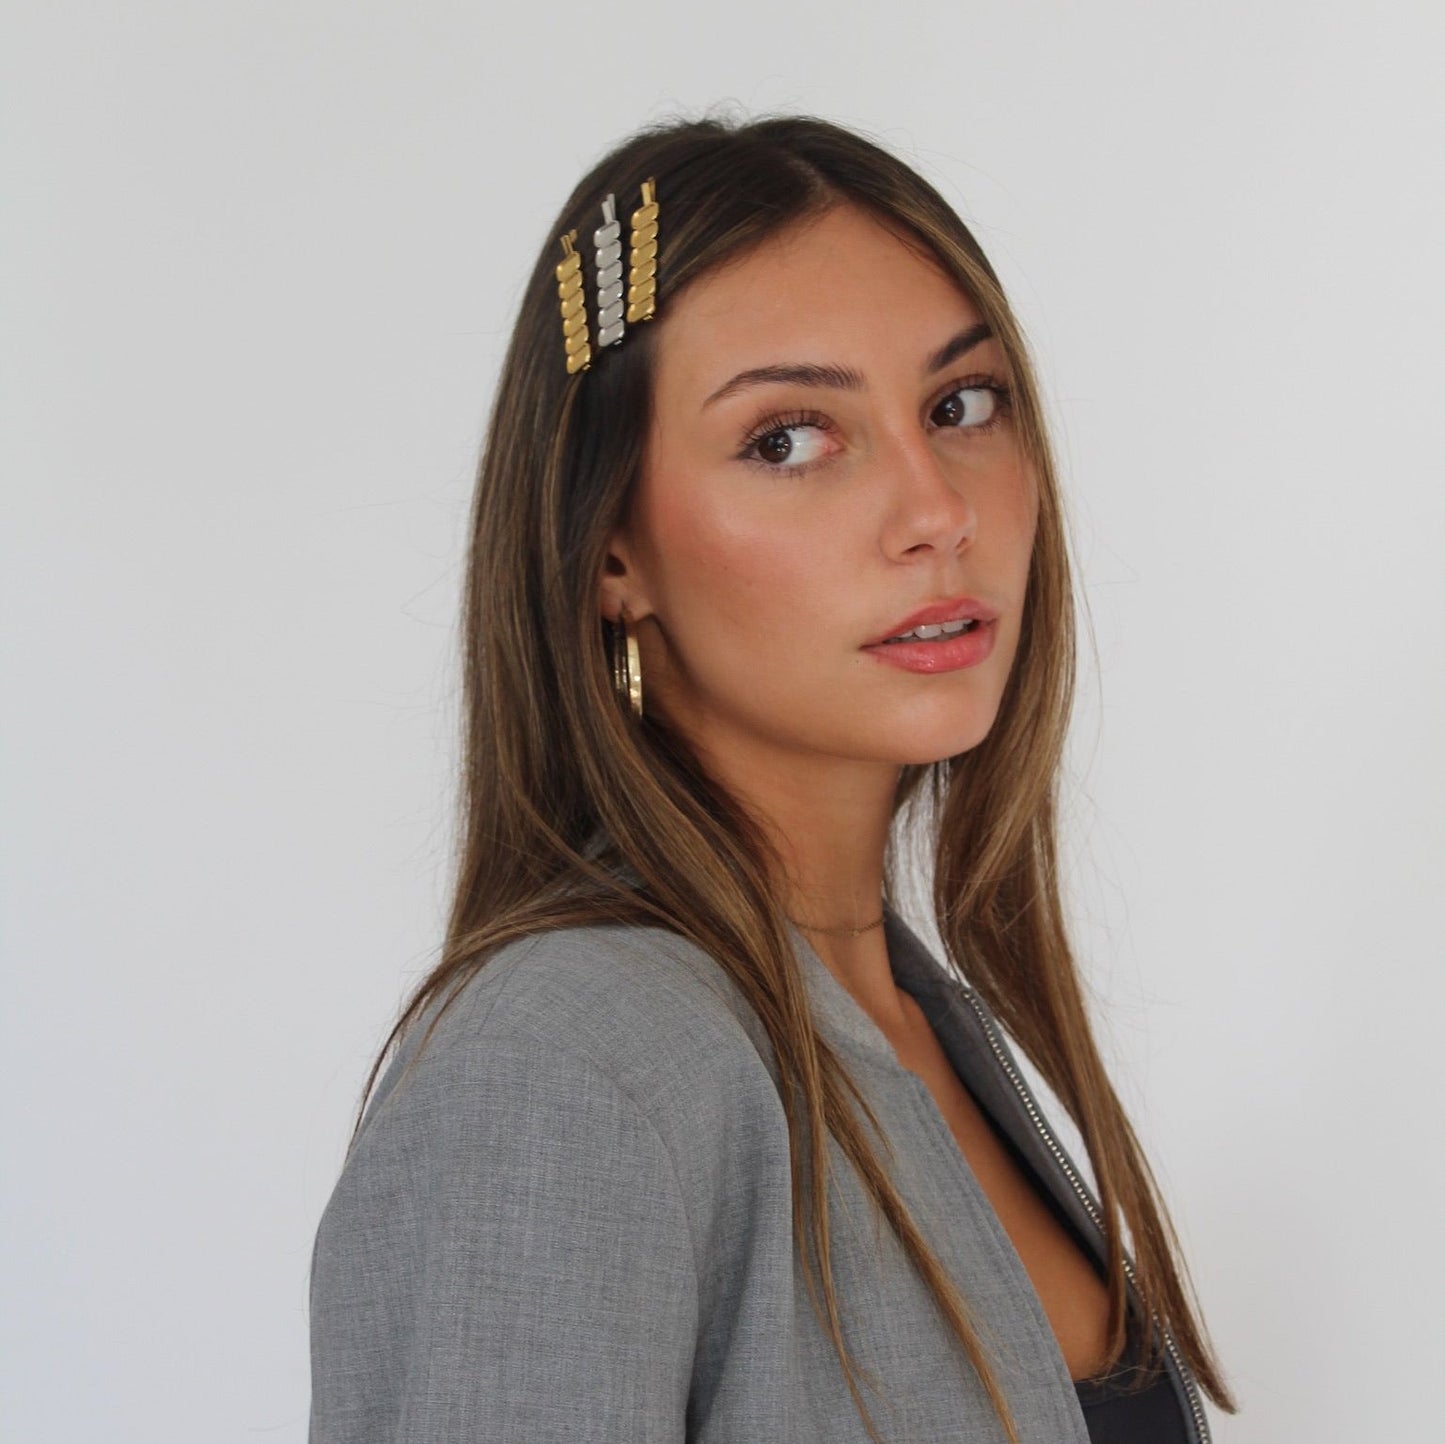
{"points": [[573, 1222]]}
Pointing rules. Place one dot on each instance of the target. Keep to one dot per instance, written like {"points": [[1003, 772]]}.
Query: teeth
{"points": [[929, 630]]}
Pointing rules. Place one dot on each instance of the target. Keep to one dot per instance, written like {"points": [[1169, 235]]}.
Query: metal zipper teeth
{"points": [[1021, 1088]]}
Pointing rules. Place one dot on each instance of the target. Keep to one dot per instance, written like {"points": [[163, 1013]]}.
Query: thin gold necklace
{"points": [[848, 932]]}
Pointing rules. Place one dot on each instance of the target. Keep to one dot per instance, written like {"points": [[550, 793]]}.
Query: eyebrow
{"points": [[844, 378]]}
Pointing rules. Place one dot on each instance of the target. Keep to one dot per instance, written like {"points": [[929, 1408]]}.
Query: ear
{"points": [[622, 581]]}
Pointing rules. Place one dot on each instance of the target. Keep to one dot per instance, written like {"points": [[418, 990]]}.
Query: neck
{"points": [[828, 819], [830, 825]]}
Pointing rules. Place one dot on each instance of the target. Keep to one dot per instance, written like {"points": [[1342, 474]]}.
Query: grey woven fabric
{"points": [[573, 1222]]}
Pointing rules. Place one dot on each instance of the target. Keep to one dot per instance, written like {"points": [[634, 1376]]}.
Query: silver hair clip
{"points": [[616, 309], [607, 239]]}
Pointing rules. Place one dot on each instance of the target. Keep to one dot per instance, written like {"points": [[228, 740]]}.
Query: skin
{"points": [[752, 588], [753, 581]]}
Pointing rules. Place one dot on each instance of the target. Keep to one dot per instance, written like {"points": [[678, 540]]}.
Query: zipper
{"points": [[1201, 1425]]}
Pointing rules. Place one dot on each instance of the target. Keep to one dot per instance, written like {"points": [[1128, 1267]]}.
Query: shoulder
{"points": [[638, 1012], [561, 1190]]}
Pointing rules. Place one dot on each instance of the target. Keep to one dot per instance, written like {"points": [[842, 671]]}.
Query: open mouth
{"points": [[940, 636]]}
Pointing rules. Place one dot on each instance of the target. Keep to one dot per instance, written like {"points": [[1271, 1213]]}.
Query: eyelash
{"points": [[784, 421]]}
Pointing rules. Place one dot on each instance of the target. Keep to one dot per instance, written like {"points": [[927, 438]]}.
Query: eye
{"points": [[783, 443], [980, 403]]}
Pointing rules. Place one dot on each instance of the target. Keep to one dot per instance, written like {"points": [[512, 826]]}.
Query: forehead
{"points": [[842, 288]]}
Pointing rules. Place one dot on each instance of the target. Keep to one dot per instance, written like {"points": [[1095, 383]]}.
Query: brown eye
{"points": [[788, 445], [960, 408], [775, 447]]}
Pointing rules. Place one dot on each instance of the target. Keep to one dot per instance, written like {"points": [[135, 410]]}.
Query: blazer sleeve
{"points": [[507, 1256]]}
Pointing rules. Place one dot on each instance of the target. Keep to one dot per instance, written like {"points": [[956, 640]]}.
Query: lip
{"points": [[966, 650], [953, 609]]}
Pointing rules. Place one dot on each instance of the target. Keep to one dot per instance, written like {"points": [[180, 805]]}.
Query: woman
{"points": [[689, 1136]]}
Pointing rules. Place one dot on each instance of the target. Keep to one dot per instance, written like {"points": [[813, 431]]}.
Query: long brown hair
{"points": [[553, 762]]}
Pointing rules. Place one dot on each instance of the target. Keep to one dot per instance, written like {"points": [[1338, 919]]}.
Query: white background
{"points": [[259, 265]]}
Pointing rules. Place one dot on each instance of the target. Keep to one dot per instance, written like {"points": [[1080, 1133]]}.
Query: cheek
{"points": [[724, 574], [1015, 515]]}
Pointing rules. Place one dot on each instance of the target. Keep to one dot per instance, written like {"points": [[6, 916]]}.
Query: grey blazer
{"points": [[573, 1222]]}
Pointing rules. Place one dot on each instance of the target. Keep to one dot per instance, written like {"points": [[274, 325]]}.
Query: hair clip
{"points": [[607, 240], [642, 278], [574, 309]]}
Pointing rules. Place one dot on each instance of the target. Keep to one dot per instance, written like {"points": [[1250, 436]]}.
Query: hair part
{"points": [[552, 764]]}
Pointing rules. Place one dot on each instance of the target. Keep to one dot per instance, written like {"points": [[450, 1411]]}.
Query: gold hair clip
{"points": [[574, 309], [642, 278], [607, 239]]}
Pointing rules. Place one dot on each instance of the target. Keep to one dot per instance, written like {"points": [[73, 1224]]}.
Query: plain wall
{"points": [[259, 265]]}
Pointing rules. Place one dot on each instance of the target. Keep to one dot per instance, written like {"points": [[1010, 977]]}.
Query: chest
{"points": [[1071, 1291]]}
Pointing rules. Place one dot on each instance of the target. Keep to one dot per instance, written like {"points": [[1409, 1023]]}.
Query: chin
{"points": [[932, 738], [923, 751], [927, 759]]}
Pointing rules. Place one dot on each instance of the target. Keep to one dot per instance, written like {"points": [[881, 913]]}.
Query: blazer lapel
{"points": [[987, 1066]]}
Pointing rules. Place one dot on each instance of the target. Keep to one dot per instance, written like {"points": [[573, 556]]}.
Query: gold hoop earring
{"points": [[627, 665]]}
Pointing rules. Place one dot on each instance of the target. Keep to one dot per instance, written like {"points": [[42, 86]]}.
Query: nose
{"points": [[928, 510]]}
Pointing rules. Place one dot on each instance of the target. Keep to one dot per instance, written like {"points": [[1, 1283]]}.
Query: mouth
{"points": [[968, 644], [937, 632], [938, 621]]}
